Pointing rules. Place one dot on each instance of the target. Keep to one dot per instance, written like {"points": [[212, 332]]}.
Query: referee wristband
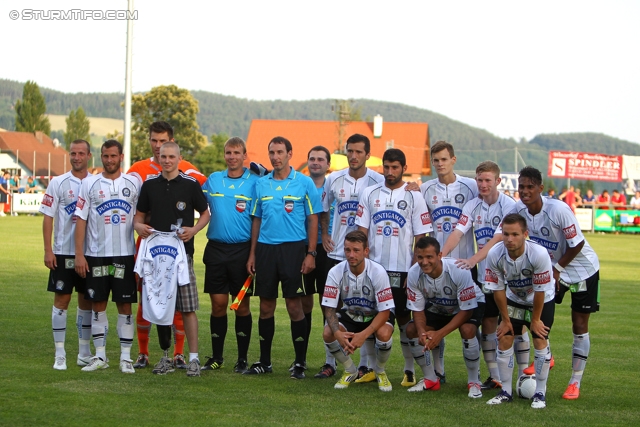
{"points": [[559, 268]]}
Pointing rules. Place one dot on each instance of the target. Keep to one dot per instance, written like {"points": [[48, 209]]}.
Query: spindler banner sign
{"points": [[596, 167]]}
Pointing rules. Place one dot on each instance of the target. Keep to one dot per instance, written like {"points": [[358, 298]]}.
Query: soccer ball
{"points": [[526, 386]]}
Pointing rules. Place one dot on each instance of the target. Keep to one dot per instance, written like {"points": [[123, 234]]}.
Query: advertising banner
{"points": [[595, 167]]}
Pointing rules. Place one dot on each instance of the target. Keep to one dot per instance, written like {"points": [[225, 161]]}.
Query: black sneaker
{"points": [[443, 377], [257, 369], [326, 371], [293, 364], [298, 371], [211, 364], [141, 362], [490, 384], [241, 366], [179, 362]]}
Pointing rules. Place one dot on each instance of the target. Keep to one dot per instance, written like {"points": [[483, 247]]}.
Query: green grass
{"points": [[34, 394]]}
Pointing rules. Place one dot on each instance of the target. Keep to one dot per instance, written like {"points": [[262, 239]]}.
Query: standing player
{"points": [[575, 265], [104, 248], [483, 215], [171, 198], [58, 207], [286, 200], [445, 197], [443, 298], [344, 188], [231, 196], [363, 287], [318, 162], [519, 274], [159, 134], [393, 218]]}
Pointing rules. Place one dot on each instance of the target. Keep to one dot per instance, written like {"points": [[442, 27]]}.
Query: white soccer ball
{"points": [[526, 386]]}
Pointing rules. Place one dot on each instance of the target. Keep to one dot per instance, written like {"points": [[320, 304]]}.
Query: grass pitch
{"points": [[34, 394]]}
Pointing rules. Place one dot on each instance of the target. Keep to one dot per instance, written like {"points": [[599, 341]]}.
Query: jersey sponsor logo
{"points": [[70, 208], [411, 296], [241, 205], [484, 233], [459, 199], [47, 200], [446, 211], [330, 292], [101, 193], [348, 206], [389, 216], [362, 302], [447, 302], [490, 276], [181, 206], [384, 295], [288, 206], [81, 202], [110, 204], [545, 243], [425, 218], [541, 278], [519, 283], [402, 204], [434, 201], [376, 204], [163, 250], [70, 194], [126, 192], [360, 210], [468, 294], [463, 219], [570, 232]]}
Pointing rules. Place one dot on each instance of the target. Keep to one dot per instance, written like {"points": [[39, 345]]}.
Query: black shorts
{"points": [[64, 279], [111, 274], [314, 281], [585, 297], [352, 326], [520, 315], [279, 264], [399, 293], [490, 308], [439, 321], [225, 267]]}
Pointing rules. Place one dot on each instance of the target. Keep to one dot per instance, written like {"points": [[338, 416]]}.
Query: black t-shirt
{"points": [[169, 200]]}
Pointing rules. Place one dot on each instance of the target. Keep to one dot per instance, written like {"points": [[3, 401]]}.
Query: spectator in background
{"points": [[635, 201], [569, 197], [516, 195], [603, 200], [589, 200], [507, 193], [577, 192], [552, 194], [31, 185], [4, 191], [618, 200]]}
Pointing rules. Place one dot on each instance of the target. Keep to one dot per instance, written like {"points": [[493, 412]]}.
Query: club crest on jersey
{"points": [[402, 204], [447, 227], [241, 205], [351, 221], [495, 221], [526, 272], [447, 291], [366, 291], [115, 219], [288, 206], [59, 285], [47, 200], [126, 192], [570, 232], [459, 198], [181, 206], [544, 231]]}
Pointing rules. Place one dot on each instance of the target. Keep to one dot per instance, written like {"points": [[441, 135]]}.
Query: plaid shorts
{"points": [[187, 300]]}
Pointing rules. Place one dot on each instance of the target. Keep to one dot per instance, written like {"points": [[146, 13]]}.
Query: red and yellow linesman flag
{"points": [[241, 294]]}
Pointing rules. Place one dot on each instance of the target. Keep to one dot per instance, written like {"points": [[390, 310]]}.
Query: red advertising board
{"points": [[596, 167]]}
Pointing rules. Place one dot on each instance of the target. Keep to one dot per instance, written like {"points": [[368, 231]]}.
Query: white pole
{"points": [[127, 91], [49, 167], [33, 171]]}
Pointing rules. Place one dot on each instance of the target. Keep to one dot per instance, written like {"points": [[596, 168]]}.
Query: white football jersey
{"points": [[345, 191], [452, 291], [363, 296], [555, 227], [108, 206], [484, 219], [393, 218], [162, 264], [522, 277], [59, 203], [445, 203]]}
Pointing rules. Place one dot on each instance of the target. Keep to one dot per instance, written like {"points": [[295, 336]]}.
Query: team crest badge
{"points": [[241, 205], [526, 272], [459, 198], [447, 291], [402, 205], [59, 285], [544, 231], [181, 206], [288, 206], [126, 192], [495, 221]]}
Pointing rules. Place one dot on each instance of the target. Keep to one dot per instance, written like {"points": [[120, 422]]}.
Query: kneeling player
{"points": [[454, 302], [363, 287], [519, 274]]}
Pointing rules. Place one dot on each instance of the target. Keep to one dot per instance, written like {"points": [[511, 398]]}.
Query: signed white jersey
{"points": [[522, 277], [59, 203], [445, 203], [108, 206], [363, 296], [485, 220], [556, 228], [393, 218], [452, 291], [162, 264], [345, 191]]}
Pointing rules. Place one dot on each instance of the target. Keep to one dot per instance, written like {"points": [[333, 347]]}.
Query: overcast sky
{"points": [[514, 68]]}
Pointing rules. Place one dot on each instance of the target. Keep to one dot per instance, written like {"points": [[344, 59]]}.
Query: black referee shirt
{"points": [[169, 200]]}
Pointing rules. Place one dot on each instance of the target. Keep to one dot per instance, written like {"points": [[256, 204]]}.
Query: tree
{"points": [[170, 104], [78, 127], [211, 158], [30, 111]]}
